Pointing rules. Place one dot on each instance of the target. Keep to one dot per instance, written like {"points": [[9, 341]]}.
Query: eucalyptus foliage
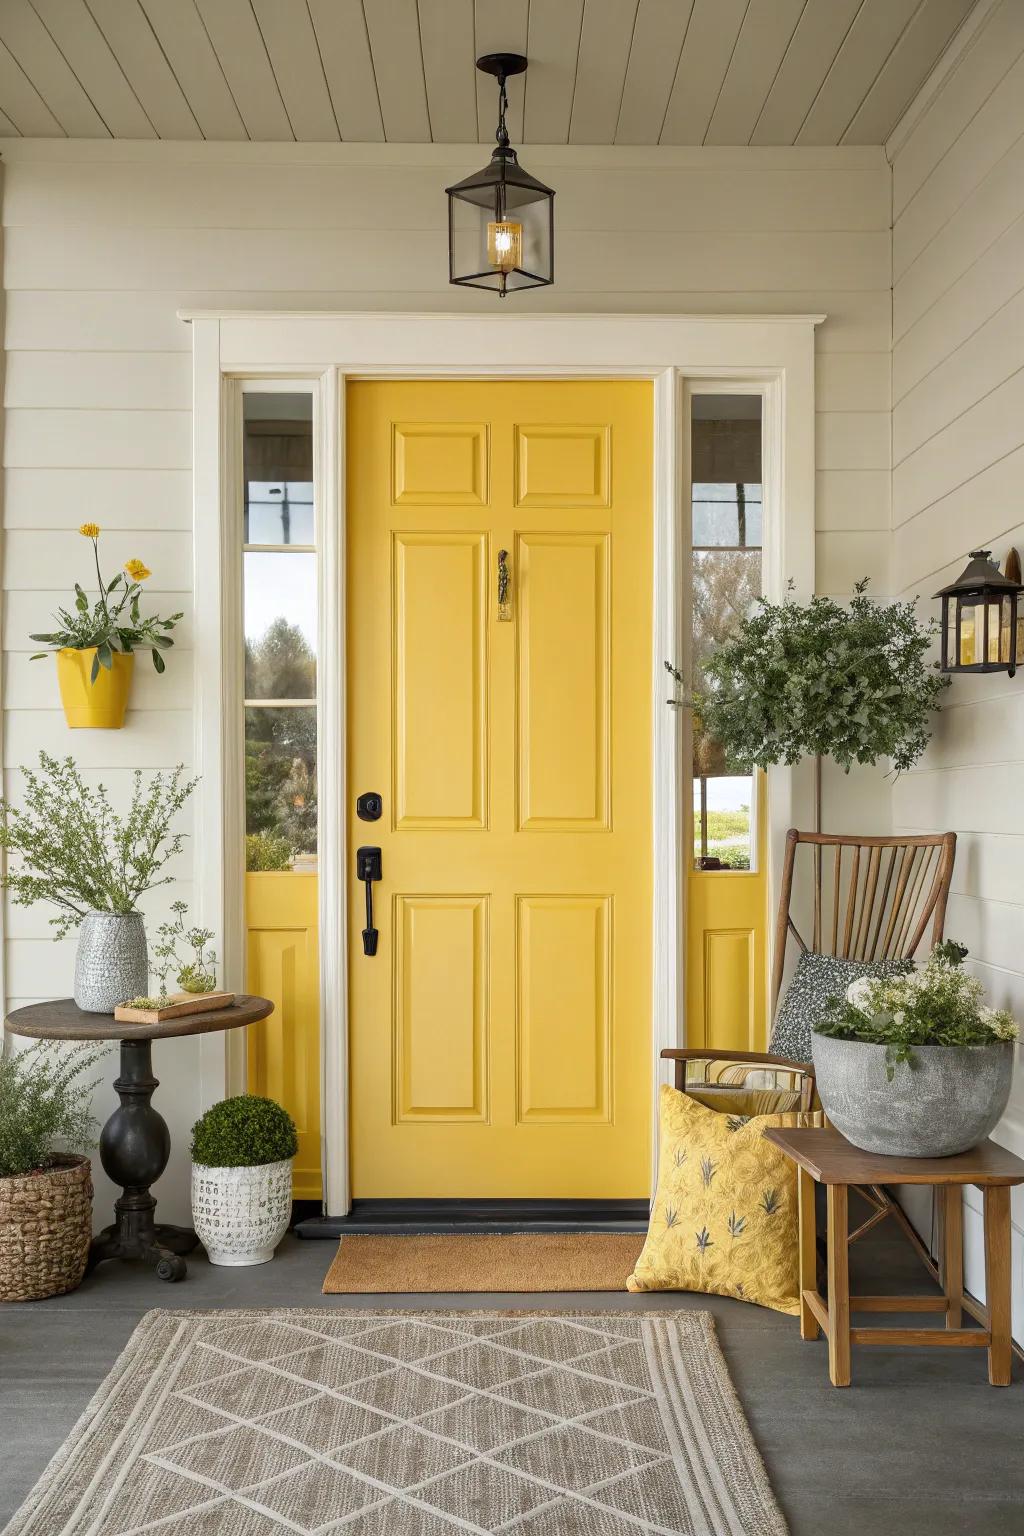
{"points": [[244, 1132], [73, 849], [44, 1099], [849, 682], [937, 1004]]}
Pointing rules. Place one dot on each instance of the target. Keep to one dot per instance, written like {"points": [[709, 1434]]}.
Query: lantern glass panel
{"points": [[995, 630], [971, 632], [1006, 627], [487, 243]]}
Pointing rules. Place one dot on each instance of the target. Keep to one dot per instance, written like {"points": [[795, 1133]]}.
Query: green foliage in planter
{"points": [[244, 1132], [939, 1003], [114, 622], [847, 682], [44, 1099], [77, 853], [267, 853]]}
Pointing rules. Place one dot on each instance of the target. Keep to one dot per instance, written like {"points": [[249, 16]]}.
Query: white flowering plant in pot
{"points": [[242, 1152], [916, 1064]]}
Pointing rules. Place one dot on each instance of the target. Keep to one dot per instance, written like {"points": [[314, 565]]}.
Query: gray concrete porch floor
{"points": [[920, 1445]]}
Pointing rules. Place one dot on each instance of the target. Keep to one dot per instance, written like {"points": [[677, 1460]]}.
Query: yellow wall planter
{"points": [[97, 706]]}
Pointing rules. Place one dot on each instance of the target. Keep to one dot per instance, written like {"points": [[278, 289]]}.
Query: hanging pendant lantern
{"points": [[979, 618], [501, 221]]}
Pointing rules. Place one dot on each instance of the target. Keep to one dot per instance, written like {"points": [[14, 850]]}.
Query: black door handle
{"points": [[368, 869]]}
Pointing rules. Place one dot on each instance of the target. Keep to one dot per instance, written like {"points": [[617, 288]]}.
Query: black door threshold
{"points": [[406, 1217]]}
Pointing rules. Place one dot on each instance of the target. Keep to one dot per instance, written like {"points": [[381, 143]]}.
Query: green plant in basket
{"points": [[44, 1101], [244, 1132], [114, 622], [939, 1003]]}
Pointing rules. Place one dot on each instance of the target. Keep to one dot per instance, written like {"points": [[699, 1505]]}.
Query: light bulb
{"points": [[504, 244]]}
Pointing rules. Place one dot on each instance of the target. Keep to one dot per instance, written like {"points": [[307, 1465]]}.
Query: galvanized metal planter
{"points": [[949, 1100], [112, 963]]}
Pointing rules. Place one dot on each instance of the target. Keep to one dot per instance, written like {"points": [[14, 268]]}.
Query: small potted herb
{"points": [[242, 1151], [196, 974], [45, 1193], [96, 644], [915, 1065], [93, 865]]}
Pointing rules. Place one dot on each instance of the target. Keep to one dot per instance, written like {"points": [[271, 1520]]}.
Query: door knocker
{"points": [[504, 600]]}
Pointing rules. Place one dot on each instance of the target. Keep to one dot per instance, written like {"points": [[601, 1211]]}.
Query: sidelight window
{"points": [[727, 528], [280, 614]]}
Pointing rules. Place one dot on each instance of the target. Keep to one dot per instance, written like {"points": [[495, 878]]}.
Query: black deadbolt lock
{"points": [[369, 806]]}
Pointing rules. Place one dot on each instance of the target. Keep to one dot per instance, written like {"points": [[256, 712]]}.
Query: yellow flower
{"points": [[136, 570], [90, 530]]}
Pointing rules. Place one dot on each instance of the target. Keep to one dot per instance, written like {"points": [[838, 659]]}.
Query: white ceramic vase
{"points": [[241, 1214], [112, 963]]}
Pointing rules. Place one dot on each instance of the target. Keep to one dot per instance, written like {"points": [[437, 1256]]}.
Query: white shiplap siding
{"points": [[105, 241], [958, 468]]}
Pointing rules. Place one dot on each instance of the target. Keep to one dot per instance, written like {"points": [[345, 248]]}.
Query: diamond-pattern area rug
{"points": [[410, 1424]]}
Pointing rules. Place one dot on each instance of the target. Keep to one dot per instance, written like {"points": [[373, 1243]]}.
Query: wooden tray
{"points": [[178, 1004]]}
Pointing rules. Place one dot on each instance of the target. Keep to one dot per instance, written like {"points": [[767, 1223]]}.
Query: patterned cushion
{"points": [[816, 980], [724, 1219]]}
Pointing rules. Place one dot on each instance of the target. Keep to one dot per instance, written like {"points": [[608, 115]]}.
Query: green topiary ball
{"points": [[243, 1132]]}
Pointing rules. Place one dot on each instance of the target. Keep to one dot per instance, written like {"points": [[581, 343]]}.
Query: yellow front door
{"points": [[499, 682]]}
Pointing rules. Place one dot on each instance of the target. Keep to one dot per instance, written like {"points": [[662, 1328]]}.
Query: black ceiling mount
{"points": [[502, 65]]}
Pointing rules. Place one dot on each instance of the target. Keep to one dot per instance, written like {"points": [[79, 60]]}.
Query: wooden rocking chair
{"points": [[872, 898]]}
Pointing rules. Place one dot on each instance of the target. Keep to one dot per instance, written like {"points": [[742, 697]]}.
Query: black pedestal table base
{"points": [[135, 1145]]}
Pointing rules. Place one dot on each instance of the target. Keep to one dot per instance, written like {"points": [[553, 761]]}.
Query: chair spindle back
{"points": [[874, 903]]}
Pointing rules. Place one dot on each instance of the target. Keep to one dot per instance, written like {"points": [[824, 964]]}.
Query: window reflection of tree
{"points": [[280, 743]]}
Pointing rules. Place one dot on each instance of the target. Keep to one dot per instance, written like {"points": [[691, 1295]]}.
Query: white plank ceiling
{"points": [[401, 71]]}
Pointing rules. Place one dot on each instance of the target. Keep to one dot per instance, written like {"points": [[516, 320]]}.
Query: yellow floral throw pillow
{"points": [[724, 1220]]}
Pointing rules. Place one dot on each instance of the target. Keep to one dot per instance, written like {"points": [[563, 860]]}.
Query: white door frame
{"points": [[772, 354]]}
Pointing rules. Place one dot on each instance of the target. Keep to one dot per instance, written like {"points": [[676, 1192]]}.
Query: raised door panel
{"points": [[439, 642], [440, 1008], [562, 704], [284, 1049], [562, 466], [729, 992], [439, 464], [563, 1007]]}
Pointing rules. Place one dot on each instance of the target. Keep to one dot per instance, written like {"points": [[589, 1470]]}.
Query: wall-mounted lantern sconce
{"points": [[979, 618], [501, 221]]}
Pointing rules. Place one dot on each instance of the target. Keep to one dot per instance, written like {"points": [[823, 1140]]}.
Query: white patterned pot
{"points": [[241, 1214], [112, 964]]}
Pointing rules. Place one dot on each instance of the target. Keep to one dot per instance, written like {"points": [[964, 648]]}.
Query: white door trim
{"points": [[773, 354]]}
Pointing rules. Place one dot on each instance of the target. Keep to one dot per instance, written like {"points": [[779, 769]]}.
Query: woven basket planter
{"points": [[45, 1230]]}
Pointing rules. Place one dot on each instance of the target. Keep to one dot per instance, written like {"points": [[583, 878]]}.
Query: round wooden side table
{"points": [[135, 1143]]}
